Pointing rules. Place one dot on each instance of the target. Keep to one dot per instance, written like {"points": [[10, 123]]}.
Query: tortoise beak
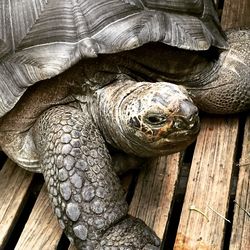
{"points": [[186, 117], [183, 123]]}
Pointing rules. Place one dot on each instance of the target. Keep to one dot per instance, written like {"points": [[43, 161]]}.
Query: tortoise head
{"points": [[147, 119]]}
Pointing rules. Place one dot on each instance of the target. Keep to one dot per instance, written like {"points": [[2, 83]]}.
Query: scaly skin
{"points": [[84, 189], [226, 88]]}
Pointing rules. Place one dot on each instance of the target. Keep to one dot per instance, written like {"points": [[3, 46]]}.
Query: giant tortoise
{"points": [[120, 75]]}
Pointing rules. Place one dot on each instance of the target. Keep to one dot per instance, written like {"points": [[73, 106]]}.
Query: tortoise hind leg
{"points": [[227, 89], [85, 192]]}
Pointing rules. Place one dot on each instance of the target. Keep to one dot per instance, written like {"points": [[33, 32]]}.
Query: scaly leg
{"points": [[84, 189], [227, 89]]}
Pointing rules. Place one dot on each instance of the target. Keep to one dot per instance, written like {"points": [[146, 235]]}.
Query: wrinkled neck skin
{"points": [[105, 109], [121, 117]]}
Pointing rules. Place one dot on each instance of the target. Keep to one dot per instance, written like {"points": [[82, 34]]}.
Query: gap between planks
{"points": [[42, 230], [240, 238], [153, 197]]}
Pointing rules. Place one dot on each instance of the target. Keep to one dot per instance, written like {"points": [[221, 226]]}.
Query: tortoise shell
{"points": [[42, 38]]}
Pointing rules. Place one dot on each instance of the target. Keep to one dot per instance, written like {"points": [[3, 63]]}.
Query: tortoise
{"points": [[112, 75]]}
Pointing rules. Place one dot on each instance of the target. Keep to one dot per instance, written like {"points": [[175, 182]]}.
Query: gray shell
{"points": [[41, 38]]}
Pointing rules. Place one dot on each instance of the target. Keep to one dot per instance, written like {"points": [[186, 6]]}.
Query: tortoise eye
{"points": [[156, 119]]}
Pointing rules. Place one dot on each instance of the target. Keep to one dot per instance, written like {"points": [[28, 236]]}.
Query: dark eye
{"points": [[156, 119]]}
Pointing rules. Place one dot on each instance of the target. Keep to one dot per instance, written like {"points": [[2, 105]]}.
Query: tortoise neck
{"points": [[105, 109]]}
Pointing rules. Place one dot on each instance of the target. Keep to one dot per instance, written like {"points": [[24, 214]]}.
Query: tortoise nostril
{"points": [[180, 123], [194, 116], [183, 123], [194, 121]]}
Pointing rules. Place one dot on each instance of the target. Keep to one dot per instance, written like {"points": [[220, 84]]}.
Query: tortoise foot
{"points": [[130, 233]]}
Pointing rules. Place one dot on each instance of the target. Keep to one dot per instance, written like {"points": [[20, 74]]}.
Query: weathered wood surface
{"points": [[240, 238], [236, 14], [14, 185], [42, 230], [208, 186], [154, 192]]}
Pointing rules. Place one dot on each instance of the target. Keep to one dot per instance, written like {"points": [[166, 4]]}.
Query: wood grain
{"points": [[153, 196], [42, 230], [14, 186], [236, 14], [240, 238], [208, 186]]}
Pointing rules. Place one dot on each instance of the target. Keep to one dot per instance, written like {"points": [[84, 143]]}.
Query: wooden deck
{"points": [[197, 199]]}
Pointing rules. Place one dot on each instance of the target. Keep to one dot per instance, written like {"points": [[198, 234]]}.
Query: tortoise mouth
{"points": [[182, 135], [176, 140]]}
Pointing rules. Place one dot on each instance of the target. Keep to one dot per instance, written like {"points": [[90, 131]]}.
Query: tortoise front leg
{"points": [[85, 192]]}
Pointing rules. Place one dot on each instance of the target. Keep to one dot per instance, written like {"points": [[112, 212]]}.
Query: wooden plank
{"points": [[240, 238], [154, 192], [14, 185], [236, 14], [208, 186], [42, 230]]}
